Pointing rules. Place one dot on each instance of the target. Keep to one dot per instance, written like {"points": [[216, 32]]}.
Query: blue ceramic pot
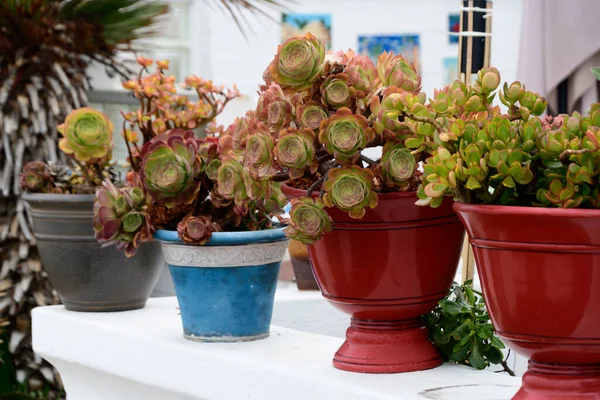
{"points": [[226, 287]]}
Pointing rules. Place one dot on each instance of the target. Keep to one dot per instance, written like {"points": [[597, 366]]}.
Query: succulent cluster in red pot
{"points": [[316, 115], [485, 156]]}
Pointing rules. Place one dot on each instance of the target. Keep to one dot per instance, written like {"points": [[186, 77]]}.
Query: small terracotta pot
{"points": [[305, 279], [540, 272], [387, 270]]}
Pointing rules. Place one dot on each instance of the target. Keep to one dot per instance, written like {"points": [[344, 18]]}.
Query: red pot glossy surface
{"points": [[540, 272], [386, 270]]}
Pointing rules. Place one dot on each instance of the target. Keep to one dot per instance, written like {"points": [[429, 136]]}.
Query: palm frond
{"points": [[237, 8], [122, 20]]}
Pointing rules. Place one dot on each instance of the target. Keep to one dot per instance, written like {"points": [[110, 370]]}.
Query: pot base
{"points": [[104, 306], [225, 339], [560, 382], [378, 347]]}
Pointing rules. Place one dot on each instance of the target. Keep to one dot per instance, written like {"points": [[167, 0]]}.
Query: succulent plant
{"points": [[196, 230], [120, 216], [258, 157], [362, 75], [350, 189], [230, 181], [274, 109], [485, 157], [335, 92], [308, 220], [296, 150], [170, 168], [163, 109], [467, 146], [298, 62], [36, 178], [310, 115], [345, 134], [87, 135], [397, 165], [394, 70]]}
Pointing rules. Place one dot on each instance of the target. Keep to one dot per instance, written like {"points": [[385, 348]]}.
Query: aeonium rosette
{"points": [[258, 157], [196, 230], [308, 220], [298, 62], [397, 165], [310, 115], [87, 135], [36, 177], [121, 217], [274, 109], [362, 74], [170, 168], [234, 137], [295, 150], [230, 181], [335, 92], [345, 134], [350, 189]]}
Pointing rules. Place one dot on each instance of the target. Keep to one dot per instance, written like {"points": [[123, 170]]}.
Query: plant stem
{"points": [[565, 154], [99, 172], [127, 144], [367, 160], [324, 158], [505, 365], [315, 185], [507, 368], [280, 177], [84, 171], [424, 119]]}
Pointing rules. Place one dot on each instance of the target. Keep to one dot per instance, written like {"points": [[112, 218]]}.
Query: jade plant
{"points": [[461, 329], [482, 155]]}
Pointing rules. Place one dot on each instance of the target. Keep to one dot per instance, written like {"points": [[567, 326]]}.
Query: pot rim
{"points": [[526, 211], [227, 238], [292, 191], [57, 197]]}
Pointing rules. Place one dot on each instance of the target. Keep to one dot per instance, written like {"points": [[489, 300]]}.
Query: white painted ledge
{"points": [[141, 355]]}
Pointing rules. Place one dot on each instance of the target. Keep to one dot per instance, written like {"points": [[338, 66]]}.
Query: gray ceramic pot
{"points": [[87, 276]]}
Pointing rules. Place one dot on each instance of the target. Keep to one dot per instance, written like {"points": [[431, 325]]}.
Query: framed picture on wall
{"points": [[299, 24], [453, 27], [406, 45]]}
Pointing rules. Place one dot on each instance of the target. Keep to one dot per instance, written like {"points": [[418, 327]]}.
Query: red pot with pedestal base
{"points": [[387, 270], [540, 272]]}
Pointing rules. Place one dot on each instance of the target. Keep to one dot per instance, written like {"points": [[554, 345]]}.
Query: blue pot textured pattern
{"points": [[226, 288]]}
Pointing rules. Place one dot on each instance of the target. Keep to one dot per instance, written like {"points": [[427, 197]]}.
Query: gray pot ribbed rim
{"points": [[58, 198]]}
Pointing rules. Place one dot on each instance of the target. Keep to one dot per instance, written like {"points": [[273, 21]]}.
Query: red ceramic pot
{"points": [[387, 270], [540, 272]]}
